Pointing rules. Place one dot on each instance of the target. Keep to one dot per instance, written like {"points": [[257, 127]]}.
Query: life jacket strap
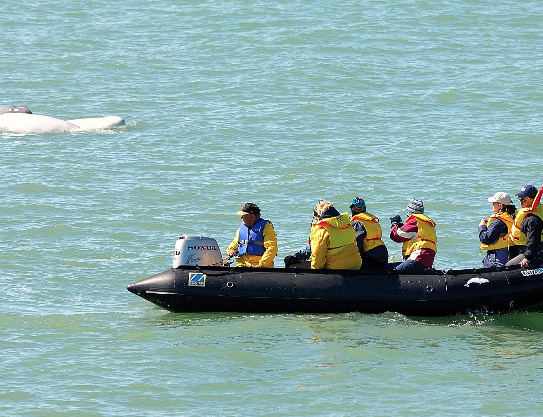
{"points": [[337, 247], [247, 242], [321, 224]]}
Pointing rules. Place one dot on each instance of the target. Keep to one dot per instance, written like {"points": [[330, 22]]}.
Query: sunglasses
{"points": [[522, 200]]}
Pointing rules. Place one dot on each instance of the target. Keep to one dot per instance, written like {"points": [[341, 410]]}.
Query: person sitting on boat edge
{"points": [[369, 235], [333, 240], [255, 243], [527, 230], [494, 231], [418, 238], [372, 249]]}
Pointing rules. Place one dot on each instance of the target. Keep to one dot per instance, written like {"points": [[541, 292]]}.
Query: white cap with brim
{"points": [[502, 198]]}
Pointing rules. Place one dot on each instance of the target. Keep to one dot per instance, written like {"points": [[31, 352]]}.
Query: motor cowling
{"points": [[196, 250]]}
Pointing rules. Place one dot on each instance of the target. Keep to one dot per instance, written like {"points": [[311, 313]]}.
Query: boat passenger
{"points": [[255, 243], [494, 231], [527, 230], [369, 234], [333, 240], [418, 238]]}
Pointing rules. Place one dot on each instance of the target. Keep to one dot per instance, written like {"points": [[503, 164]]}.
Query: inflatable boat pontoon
{"points": [[191, 287]]}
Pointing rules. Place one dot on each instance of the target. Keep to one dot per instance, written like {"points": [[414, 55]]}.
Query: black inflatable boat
{"points": [[190, 288]]}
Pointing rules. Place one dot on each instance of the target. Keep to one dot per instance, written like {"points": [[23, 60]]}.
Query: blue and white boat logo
{"points": [[197, 279], [531, 272]]}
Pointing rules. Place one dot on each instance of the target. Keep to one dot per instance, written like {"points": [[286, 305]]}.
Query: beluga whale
{"points": [[19, 119]]}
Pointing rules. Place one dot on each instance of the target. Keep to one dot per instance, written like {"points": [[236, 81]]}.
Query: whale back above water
{"points": [[94, 123], [33, 123], [20, 121], [15, 109]]}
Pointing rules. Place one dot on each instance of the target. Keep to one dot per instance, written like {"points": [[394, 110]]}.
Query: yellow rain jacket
{"points": [[333, 244], [270, 244], [374, 233]]}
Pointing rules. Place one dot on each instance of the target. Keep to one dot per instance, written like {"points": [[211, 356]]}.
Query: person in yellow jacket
{"points": [[333, 240], [369, 235], [417, 236], [494, 231], [527, 232], [255, 243]]}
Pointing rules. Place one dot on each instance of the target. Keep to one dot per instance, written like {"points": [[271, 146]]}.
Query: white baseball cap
{"points": [[502, 198]]}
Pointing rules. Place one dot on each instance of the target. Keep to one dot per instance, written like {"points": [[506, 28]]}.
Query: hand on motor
{"points": [[231, 253], [259, 266], [396, 221], [524, 263]]}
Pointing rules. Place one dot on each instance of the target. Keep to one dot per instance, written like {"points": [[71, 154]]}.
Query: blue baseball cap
{"points": [[527, 191]]}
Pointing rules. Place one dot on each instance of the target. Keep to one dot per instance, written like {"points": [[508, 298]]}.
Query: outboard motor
{"points": [[196, 250]]}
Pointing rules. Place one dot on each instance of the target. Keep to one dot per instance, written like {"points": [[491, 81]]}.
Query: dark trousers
{"points": [[407, 265], [371, 264]]}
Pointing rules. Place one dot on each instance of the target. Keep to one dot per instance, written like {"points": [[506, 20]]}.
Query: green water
{"points": [[279, 103]]}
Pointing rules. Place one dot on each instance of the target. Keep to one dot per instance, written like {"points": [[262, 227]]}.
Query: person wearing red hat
{"points": [[255, 243], [527, 231]]}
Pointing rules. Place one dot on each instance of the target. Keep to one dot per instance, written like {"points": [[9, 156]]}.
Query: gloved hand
{"points": [[289, 260], [396, 221]]}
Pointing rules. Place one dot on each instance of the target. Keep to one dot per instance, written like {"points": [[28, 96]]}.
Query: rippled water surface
{"points": [[280, 103]]}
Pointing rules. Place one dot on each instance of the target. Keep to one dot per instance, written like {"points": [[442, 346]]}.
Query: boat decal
{"points": [[197, 279], [193, 259], [201, 247], [476, 281], [531, 272]]}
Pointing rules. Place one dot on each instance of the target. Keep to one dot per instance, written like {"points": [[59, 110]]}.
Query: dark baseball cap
{"points": [[249, 208], [527, 191]]}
